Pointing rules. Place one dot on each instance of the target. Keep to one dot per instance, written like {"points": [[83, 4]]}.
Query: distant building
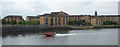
{"points": [[62, 18], [80, 17], [32, 18], [99, 19], [95, 19], [17, 18]]}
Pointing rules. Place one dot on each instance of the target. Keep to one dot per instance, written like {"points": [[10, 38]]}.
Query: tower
{"points": [[95, 13], [96, 17]]}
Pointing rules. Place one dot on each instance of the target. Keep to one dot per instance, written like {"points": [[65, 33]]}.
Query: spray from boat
{"points": [[65, 34]]}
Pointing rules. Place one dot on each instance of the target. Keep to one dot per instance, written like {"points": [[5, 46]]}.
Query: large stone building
{"points": [[62, 18], [17, 18], [55, 19]]}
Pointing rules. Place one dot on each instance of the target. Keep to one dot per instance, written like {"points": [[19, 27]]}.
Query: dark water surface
{"points": [[71, 37]]}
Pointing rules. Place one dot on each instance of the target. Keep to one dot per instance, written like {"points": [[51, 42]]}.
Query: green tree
{"points": [[37, 22], [3, 21], [75, 22], [110, 23], [31, 22], [8, 22], [13, 22], [71, 22], [80, 22], [86, 24], [23, 22]]}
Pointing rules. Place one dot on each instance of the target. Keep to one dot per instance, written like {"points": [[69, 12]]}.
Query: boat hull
{"points": [[47, 34]]}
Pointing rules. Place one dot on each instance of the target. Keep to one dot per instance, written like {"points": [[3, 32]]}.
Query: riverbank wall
{"points": [[34, 28], [29, 28], [93, 27]]}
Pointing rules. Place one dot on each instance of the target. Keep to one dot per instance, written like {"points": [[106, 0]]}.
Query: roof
{"points": [[97, 15], [33, 16], [108, 15], [13, 16], [54, 12], [77, 15], [58, 12]]}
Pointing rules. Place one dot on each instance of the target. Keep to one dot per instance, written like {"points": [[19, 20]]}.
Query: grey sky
{"points": [[38, 7]]}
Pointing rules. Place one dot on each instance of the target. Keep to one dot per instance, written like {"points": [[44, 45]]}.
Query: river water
{"points": [[108, 36]]}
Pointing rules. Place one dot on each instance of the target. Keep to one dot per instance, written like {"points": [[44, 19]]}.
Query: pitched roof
{"points": [[33, 16], [54, 12], [13, 16], [77, 15]]}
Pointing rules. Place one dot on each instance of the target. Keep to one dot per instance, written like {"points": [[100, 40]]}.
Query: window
{"points": [[78, 18], [11, 18], [59, 20], [20, 18], [75, 18], [15, 18], [30, 18], [66, 20], [55, 20], [63, 20], [46, 20], [8, 19], [51, 20]]}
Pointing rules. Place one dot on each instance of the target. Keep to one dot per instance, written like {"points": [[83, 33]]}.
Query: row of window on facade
{"points": [[56, 20], [14, 18]]}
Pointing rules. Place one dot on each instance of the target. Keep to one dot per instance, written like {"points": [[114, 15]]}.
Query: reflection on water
{"points": [[71, 37]]}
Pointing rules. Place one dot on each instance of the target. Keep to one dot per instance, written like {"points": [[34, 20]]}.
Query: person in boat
{"points": [[52, 33]]}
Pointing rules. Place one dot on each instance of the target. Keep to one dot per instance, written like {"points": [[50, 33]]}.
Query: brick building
{"points": [[95, 19], [32, 18], [17, 18], [55, 19], [62, 18]]}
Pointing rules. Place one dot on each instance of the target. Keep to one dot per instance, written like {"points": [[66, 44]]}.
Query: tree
{"points": [[23, 22], [31, 22], [37, 22], [78, 22], [110, 23], [13, 22], [71, 22], [3, 21], [86, 24], [75, 22]]}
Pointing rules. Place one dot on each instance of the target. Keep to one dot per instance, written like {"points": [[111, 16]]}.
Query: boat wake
{"points": [[65, 34]]}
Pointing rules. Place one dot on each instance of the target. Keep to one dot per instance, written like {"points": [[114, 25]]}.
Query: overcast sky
{"points": [[72, 7]]}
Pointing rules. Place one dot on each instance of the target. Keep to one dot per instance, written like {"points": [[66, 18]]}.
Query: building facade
{"points": [[96, 19], [17, 18], [101, 18], [62, 18], [55, 19], [32, 18]]}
